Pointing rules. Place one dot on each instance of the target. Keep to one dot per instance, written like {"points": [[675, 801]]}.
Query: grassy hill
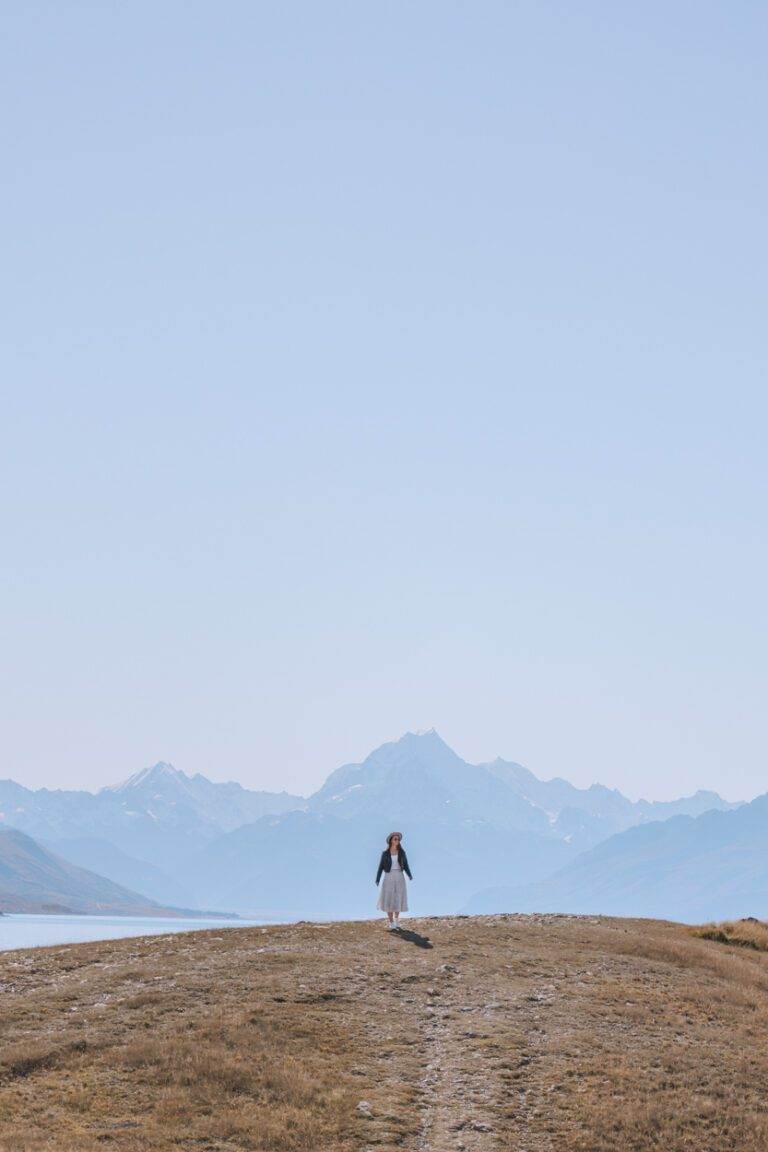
{"points": [[540, 1032]]}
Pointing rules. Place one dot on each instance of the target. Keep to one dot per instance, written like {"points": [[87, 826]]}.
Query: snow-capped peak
{"points": [[155, 774]]}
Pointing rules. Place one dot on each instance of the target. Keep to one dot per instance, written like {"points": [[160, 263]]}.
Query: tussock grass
{"points": [[742, 933], [20, 1060], [191, 1047]]}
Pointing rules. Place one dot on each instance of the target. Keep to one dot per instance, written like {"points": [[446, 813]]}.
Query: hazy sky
{"points": [[369, 367]]}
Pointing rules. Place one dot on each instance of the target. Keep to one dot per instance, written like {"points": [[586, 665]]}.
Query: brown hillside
{"points": [[546, 1032], [33, 879]]}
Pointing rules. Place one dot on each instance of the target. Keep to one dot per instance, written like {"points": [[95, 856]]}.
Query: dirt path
{"points": [[459, 1090]]}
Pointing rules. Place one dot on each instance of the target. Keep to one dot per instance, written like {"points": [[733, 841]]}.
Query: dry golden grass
{"points": [[543, 1033], [744, 933]]}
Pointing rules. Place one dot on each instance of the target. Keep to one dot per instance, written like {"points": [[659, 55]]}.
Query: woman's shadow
{"points": [[413, 938]]}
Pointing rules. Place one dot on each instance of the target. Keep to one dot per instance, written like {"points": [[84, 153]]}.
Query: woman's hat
{"points": [[389, 838]]}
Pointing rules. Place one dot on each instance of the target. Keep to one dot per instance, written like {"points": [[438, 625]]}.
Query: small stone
{"points": [[364, 1108]]}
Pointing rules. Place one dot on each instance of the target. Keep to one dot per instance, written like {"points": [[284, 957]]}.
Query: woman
{"points": [[393, 897]]}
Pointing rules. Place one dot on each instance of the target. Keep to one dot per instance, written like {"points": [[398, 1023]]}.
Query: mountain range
{"points": [[712, 867], [487, 833], [586, 816], [139, 832]]}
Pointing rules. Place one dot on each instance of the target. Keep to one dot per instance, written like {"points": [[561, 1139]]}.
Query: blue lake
{"points": [[27, 931]]}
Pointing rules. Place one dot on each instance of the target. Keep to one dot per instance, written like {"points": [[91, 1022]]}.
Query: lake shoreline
{"points": [[26, 930]]}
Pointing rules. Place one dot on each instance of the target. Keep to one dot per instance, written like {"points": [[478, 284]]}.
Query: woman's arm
{"points": [[406, 869], [380, 868]]}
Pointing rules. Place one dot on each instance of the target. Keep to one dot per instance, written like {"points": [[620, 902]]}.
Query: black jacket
{"points": [[386, 863]]}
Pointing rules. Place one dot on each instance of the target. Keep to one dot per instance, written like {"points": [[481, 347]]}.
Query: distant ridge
{"points": [[689, 868], [587, 816], [32, 879]]}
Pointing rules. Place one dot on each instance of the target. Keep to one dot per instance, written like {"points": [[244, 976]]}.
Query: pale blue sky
{"points": [[369, 367]]}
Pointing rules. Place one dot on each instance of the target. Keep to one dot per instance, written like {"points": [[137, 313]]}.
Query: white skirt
{"points": [[393, 894]]}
